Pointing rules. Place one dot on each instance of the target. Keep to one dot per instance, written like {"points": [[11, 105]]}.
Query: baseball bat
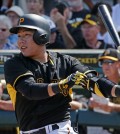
{"points": [[108, 22]]}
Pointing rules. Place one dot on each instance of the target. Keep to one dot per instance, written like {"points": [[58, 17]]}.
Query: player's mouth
{"points": [[23, 47]]}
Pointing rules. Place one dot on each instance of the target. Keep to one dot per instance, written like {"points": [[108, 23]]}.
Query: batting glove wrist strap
{"points": [[91, 73], [117, 91]]}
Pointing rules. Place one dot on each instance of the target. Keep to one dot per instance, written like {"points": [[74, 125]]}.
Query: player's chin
{"points": [[26, 54]]}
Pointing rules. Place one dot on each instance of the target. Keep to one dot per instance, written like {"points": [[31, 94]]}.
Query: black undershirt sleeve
{"points": [[32, 90], [105, 86]]}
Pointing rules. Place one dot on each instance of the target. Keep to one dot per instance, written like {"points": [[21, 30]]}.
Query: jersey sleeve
{"points": [[19, 78], [77, 65], [14, 70]]}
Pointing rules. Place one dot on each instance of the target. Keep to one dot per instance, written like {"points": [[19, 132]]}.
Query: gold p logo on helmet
{"points": [[21, 20]]}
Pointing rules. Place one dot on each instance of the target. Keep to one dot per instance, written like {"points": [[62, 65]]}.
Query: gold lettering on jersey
{"points": [[21, 20], [40, 80]]}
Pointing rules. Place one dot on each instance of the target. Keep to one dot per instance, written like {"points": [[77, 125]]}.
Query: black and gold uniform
{"points": [[40, 91], [34, 108]]}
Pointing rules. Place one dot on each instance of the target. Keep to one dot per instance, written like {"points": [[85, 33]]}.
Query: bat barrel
{"points": [[107, 20]]}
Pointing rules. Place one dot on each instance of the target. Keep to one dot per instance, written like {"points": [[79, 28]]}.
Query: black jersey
{"points": [[42, 109]]}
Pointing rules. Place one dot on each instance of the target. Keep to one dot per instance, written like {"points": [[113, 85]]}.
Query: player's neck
{"points": [[42, 57]]}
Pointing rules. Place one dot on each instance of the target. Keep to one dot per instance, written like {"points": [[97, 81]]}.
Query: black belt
{"points": [[43, 130]]}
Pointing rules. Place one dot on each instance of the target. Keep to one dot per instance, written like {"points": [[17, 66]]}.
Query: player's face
{"points": [[110, 68], [26, 43]]}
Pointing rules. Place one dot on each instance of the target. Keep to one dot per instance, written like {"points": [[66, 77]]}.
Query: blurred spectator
{"points": [[90, 29], [6, 105], [4, 5], [89, 3], [53, 33], [78, 12], [103, 34], [48, 5], [5, 25], [14, 13], [63, 36], [1, 90], [54, 42], [35, 6], [65, 33], [110, 61], [116, 14], [5, 102]]}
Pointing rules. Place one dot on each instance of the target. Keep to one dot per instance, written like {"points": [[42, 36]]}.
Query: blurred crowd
{"points": [[74, 24], [71, 22]]}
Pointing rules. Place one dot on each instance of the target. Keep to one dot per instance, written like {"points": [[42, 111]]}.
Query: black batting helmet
{"points": [[33, 21]]}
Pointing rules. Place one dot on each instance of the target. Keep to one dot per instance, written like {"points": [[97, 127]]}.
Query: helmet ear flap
{"points": [[39, 38]]}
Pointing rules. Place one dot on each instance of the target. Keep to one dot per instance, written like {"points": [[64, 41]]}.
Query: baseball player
{"points": [[39, 82]]}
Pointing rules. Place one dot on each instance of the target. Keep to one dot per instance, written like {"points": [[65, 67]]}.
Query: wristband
{"points": [[116, 89]]}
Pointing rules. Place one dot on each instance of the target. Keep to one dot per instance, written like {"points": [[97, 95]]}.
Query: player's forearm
{"points": [[36, 91]]}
